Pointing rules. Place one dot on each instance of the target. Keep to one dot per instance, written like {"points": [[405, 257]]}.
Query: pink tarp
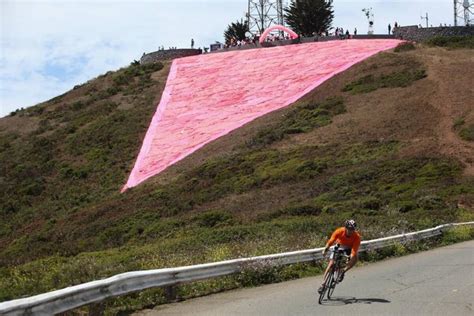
{"points": [[208, 96]]}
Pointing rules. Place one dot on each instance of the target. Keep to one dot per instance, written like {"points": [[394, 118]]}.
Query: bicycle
{"points": [[340, 261]]}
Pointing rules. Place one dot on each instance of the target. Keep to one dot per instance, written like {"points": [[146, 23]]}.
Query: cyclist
{"points": [[349, 241]]}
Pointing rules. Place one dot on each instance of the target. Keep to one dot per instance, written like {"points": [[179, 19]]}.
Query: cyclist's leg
{"points": [[326, 275], [351, 263], [331, 263]]}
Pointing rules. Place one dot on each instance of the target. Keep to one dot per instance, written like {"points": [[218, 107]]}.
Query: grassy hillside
{"points": [[383, 142]]}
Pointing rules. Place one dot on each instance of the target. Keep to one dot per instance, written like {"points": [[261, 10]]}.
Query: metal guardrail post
{"points": [[96, 309], [170, 293]]}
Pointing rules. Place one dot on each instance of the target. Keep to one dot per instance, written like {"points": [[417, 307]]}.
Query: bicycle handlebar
{"points": [[340, 251]]}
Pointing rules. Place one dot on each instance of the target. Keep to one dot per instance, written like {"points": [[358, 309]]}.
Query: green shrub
{"points": [[430, 202], [370, 202], [371, 83], [458, 234], [301, 119], [113, 90], [458, 123], [362, 85], [452, 41], [467, 133], [404, 47], [257, 273], [32, 187], [76, 106], [405, 206], [213, 219]]}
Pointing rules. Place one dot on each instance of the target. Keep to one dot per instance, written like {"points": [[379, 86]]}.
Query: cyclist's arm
{"points": [[355, 247], [332, 239]]}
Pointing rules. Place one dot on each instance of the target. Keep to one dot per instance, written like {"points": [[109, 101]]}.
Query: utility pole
{"points": [[468, 9], [425, 18], [455, 13], [463, 9], [262, 14]]}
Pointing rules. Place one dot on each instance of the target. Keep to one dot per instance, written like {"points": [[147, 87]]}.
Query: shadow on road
{"points": [[340, 300]]}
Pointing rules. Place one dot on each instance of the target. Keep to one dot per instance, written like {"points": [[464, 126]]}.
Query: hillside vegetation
{"points": [[388, 142]]}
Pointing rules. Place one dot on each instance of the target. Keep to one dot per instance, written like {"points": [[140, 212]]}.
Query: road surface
{"points": [[435, 282]]}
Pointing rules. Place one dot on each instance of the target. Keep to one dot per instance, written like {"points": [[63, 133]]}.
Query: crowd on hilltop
{"points": [[170, 48], [233, 42], [253, 40], [277, 37]]}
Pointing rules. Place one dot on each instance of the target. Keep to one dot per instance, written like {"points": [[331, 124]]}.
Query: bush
{"points": [[302, 119], [370, 202], [113, 90], [405, 206], [467, 133], [371, 83], [458, 123], [121, 79], [76, 106], [261, 272], [404, 47], [430, 202], [406, 70], [452, 41], [458, 234], [34, 188], [213, 219]]}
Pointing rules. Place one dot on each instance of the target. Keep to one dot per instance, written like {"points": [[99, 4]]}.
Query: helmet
{"points": [[350, 224]]}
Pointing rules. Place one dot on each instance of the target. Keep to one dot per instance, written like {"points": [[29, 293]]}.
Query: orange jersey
{"points": [[339, 237]]}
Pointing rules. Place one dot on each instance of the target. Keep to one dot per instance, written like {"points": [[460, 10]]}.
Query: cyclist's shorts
{"points": [[347, 251]]}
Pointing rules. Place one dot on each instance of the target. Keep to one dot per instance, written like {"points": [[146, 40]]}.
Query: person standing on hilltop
{"points": [[389, 28], [192, 43]]}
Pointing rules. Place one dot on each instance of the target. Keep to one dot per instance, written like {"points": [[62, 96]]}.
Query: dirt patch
{"points": [[451, 74], [9, 124]]}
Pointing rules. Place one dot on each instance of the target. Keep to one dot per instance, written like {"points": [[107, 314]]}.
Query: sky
{"points": [[49, 46]]}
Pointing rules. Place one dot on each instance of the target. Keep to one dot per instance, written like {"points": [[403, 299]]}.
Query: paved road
{"points": [[436, 282]]}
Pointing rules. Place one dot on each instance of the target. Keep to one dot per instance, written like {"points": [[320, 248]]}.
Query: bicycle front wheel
{"points": [[333, 282], [326, 286], [321, 295]]}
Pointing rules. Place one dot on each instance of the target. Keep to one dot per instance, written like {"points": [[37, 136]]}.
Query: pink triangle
{"points": [[208, 96]]}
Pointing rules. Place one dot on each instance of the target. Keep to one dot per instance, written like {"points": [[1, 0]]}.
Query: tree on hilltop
{"points": [[306, 17], [236, 31]]}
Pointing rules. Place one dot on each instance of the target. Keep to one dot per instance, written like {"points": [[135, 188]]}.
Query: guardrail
{"points": [[95, 291]]}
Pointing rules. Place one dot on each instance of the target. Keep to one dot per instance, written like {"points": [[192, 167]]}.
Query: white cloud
{"points": [[49, 46]]}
